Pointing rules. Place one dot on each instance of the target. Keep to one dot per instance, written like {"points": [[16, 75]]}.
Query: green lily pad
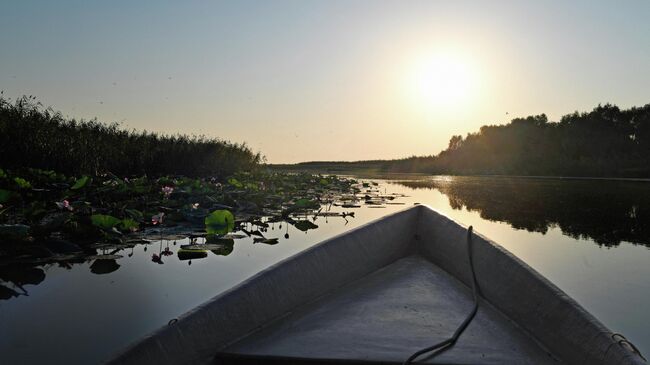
{"points": [[306, 204], [304, 225], [129, 225], [236, 183], [81, 182], [134, 214], [219, 222], [104, 221], [22, 183]]}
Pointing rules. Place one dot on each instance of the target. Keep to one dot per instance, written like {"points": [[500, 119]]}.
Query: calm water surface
{"points": [[590, 237]]}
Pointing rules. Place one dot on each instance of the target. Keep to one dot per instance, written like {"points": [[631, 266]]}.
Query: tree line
{"points": [[605, 142]]}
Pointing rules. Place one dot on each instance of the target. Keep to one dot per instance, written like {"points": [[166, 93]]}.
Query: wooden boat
{"points": [[381, 292]]}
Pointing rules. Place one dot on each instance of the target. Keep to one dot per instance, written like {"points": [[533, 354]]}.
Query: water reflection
{"points": [[19, 275], [605, 211]]}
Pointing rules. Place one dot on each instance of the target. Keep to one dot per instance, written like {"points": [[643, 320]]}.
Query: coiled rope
{"points": [[448, 343]]}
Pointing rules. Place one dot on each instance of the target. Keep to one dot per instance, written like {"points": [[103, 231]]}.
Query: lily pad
{"points": [[268, 241], [184, 254], [134, 214], [129, 225], [306, 204], [350, 206], [219, 222], [81, 182], [225, 250], [102, 266], [53, 221], [104, 221], [236, 183], [304, 225], [22, 183]]}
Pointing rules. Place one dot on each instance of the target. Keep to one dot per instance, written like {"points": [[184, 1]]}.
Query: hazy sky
{"points": [[325, 80]]}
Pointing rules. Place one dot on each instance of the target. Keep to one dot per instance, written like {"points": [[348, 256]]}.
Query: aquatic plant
{"points": [[40, 207]]}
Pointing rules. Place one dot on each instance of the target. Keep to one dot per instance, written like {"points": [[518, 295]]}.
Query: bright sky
{"points": [[325, 80]]}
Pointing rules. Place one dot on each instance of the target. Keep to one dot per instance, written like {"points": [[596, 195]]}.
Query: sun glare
{"points": [[442, 81]]}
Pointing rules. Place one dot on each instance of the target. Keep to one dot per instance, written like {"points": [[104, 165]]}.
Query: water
{"points": [[589, 237]]}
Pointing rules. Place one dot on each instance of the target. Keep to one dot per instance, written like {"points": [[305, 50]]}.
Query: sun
{"points": [[442, 81]]}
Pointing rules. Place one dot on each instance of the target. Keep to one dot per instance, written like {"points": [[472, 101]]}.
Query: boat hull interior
{"points": [[381, 292]]}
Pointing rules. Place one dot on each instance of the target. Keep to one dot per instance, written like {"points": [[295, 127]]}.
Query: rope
{"points": [[448, 343]]}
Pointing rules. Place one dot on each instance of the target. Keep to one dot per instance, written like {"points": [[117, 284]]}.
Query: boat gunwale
{"points": [[625, 355]]}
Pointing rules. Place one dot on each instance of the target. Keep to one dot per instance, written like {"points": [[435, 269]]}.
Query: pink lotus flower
{"points": [[64, 205], [157, 219], [167, 190]]}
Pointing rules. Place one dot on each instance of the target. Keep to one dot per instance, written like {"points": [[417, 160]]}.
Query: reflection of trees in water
{"points": [[605, 211]]}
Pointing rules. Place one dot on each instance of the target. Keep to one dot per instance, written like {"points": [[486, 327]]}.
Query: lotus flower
{"points": [[157, 219], [64, 205], [167, 190]]}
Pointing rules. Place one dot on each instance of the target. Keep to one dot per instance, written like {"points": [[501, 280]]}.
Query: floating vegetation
{"points": [[51, 219]]}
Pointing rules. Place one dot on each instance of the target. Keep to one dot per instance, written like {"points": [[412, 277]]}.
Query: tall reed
{"points": [[38, 137]]}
